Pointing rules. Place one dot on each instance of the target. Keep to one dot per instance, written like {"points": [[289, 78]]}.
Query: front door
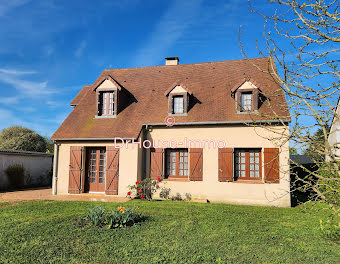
{"points": [[95, 169]]}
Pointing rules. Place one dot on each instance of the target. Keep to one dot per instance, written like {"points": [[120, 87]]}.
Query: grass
{"points": [[178, 232]]}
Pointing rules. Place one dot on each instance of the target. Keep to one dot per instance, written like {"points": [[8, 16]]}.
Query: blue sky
{"points": [[49, 49]]}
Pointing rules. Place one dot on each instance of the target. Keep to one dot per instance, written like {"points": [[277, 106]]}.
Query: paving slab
{"points": [[46, 194]]}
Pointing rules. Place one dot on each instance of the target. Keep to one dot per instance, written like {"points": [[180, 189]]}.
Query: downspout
{"points": [[55, 169]]}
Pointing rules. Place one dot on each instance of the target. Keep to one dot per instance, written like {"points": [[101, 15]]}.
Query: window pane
{"points": [[246, 101], [178, 104]]}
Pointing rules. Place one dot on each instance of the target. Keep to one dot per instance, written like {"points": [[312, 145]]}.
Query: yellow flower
{"points": [[121, 209]]}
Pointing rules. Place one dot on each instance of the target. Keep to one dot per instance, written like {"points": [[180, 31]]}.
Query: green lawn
{"points": [[179, 232]]}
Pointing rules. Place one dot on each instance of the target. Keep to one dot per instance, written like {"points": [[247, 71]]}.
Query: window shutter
{"points": [[271, 165], [170, 104], [255, 100], [196, 164], [74, 185], [112, 170], [225, 164], [156, 170]]}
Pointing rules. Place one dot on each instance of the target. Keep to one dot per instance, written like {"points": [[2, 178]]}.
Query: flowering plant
{"points": [[123, 216], [120, 216], [144, 189]]}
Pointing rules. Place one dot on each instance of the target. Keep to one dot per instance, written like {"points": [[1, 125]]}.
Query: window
{"points": [[107, 103], [247, 164], [177, 163], [178, 104], [246, 101]]}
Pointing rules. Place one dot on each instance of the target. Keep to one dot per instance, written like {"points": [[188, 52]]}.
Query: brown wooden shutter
{"points": [[196, 164], [225, 164], [74, 185], [238, 101], [255, 100], [112, 170], [156, 170], [271, 165]]}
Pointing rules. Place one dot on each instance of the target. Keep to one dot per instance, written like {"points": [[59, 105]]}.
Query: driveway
{"points": [[46, 194]]}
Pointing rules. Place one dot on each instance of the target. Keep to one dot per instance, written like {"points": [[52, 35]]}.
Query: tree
{"points": [[301, 42], [49, 145], [293, 151], [21, 138], [316, 142]]}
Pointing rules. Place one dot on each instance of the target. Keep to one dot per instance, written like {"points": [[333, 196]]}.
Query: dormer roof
{"points": [[175, 85]]}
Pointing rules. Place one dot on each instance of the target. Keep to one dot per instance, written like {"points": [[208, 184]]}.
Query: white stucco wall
{"points": [[129, 167], [232, 192], [131, 163], [37, 168], [334, 136]]}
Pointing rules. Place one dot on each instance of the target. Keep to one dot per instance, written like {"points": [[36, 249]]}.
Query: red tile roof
{"points": [[210, 83]]}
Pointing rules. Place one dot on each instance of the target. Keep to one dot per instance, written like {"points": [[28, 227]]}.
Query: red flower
{"points": [[159, 179], [143, 196], [137, 182], [139, 190], [129, 193]]}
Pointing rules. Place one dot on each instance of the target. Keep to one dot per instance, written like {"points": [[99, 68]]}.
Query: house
{"points": [[334, 134], [215, 130]]}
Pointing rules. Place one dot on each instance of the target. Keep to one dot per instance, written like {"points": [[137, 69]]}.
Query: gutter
{"points": [[89, 139], [251, 122], [254, 122], [55, 169]]}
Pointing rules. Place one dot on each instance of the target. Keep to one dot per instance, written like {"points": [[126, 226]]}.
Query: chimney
{"points": [[171, 61]]}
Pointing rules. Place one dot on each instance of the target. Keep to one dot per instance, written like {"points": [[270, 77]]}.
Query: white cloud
{"points": [[25, 87], [16, 72], [169, 29]]}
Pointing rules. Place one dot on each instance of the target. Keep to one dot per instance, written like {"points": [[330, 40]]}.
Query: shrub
{"points": [[118, 217], [177, 197], [165, 193], [122, 217], [330, 229], [15, 175], [144, 189], [187, 196], [329, 183], [96, 216]]}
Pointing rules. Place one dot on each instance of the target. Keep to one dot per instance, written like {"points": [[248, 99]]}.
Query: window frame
{"points": [[254, 100], [174, 108], [171, 103], [247, 164], [99, 98], [242, 108], [177, 152]]}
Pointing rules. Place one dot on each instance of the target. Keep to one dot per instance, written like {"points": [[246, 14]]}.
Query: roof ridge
{"points": [[186, 64]]}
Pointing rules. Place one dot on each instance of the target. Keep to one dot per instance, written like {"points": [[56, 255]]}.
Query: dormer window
{"points": [[178, 99], [106, 103], [246, 96], [178, 107], [107, 98], [246, 101]]}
